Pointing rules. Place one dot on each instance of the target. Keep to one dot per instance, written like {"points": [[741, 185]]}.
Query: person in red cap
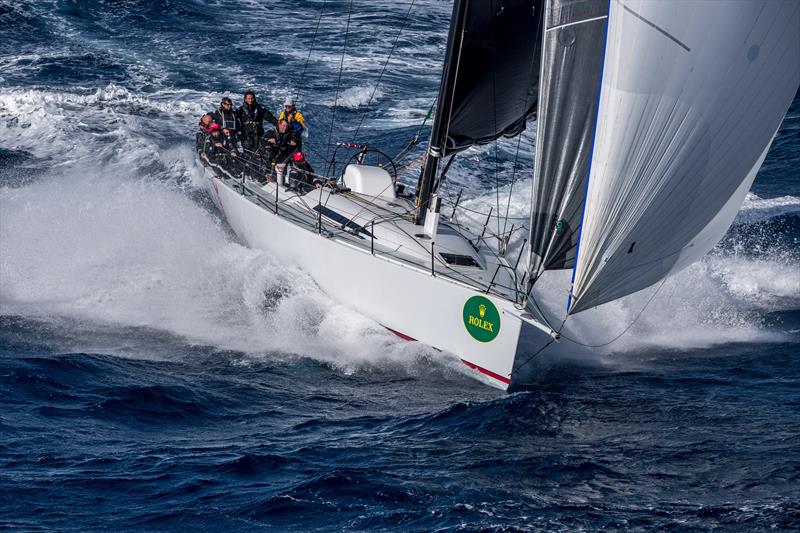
{"points": [[302, 173], [214, 148]]}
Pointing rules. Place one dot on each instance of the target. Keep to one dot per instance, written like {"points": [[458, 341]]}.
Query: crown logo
{"points": [[482, 310]]}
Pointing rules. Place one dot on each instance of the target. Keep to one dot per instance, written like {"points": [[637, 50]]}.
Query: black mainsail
{"points": [[489, 81]]}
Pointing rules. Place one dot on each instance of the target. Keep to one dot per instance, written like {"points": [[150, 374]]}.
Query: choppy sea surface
{"points": [[155, 374]]}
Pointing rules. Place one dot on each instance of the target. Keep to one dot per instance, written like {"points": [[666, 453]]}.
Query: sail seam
{"points": [[661, 30], [576, 22]]}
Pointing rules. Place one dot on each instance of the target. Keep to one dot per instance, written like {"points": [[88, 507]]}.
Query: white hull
{"points": [[403, 297]]}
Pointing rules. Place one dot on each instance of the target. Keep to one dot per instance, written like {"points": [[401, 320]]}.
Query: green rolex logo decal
{"points": [[481, 319]]}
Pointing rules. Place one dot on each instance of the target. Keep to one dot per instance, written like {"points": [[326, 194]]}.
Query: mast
{"points": [[444, 103]]}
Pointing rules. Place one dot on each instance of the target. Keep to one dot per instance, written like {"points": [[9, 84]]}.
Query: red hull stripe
{"points": [[489, 373], [404, 337], [473, 366]]}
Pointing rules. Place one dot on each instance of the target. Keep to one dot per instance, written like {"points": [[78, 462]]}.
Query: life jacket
{"points": [[281, 150], [229, 142], [200, 136], [226, 119], [295, 120], [251, 121], [250, 114], [214, 153]]}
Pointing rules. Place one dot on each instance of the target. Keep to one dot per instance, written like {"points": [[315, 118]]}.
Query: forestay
{"points": [[569, 88], [692, 94]]}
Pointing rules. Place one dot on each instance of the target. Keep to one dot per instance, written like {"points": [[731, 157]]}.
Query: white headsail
{"points": [[692, 94]]}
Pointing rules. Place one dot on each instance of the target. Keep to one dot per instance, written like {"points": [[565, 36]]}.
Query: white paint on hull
{"points": [[401, 296]]}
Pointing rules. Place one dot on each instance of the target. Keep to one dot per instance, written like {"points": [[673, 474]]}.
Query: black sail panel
{"points": [[572, 65], [495, 71], [489, 81]]}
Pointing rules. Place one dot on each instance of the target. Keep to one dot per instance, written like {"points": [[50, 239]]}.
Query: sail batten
{"points": [[693, 95]]}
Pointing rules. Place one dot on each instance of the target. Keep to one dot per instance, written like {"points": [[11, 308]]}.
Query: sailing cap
{"points": [[213, 127], [298, 156], [289, 101]]}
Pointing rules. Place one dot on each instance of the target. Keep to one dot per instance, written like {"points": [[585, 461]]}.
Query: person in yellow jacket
{"points": [[293, 116]]}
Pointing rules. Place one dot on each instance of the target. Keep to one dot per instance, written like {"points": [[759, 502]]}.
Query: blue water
{"points": [[157, 375]]}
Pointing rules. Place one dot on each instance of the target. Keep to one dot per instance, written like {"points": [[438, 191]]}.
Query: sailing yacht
{"points": [[653, 119]]}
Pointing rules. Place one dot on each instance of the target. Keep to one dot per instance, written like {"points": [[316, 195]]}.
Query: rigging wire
{"points": [[513, 180], [585, 345], [339, 83], [415, 139], [383, 70], [413, 142], [448, 201], [311, 48], [528, 83], [624, 331], [496, 148]]}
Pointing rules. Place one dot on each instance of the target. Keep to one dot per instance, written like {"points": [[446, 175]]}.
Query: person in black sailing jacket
{"points": [[225, 116], [221, 149], [279, 144], [231, 144], [251, 117], [213, 147]]}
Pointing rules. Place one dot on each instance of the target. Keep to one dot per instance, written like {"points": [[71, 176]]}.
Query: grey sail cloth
{"points": [[569, 88], [692, 95], [494, 71]]}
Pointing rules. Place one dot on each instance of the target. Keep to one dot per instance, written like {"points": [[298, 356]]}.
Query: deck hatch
{"points": [[460, 260]]}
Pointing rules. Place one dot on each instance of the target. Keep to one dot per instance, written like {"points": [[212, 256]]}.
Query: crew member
{"points": [[251, 117], [293, 116], [302, 173], [213, 148], [202, 132], [279, 144], [231, 145], [225, 116]]}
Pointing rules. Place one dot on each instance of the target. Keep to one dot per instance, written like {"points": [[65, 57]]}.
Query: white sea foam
{"points": [[109, 123], [141, 254], [355, 97], [720, 299], [108, 237], [756, 209], [97, 240]]}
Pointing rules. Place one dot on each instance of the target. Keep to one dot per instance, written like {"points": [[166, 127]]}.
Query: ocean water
{"points": [[155, 374]]}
